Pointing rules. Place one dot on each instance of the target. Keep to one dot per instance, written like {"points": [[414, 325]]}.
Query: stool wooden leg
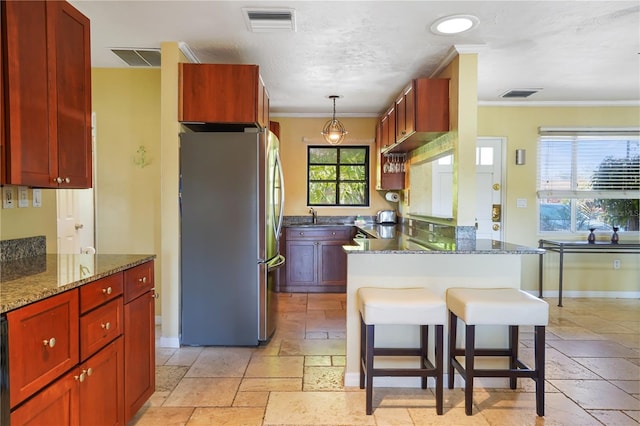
{"points": [[453, 328], [369, 365], [539, 366], [439, 368], [469, 351], [513, 357], [424, 351], [363, 345]]}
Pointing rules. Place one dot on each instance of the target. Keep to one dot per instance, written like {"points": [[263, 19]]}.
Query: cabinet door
{"points": [[302, 262], [100, 326], [139, 355], [333, 264], [400, 117], [102, 387], [70, 114], [43, 338], [29, 157], [57, 405], [410, 109]]}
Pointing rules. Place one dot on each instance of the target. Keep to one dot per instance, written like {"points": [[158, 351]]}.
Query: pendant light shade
{"points": [[333, 130]]}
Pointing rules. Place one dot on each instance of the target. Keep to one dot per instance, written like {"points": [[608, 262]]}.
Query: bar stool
{"points": [[497, 306], [401, 306]]}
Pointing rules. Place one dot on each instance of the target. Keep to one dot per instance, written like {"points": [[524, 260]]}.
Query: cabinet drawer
{"points": [[101, 291], [137, 281], [43, 342], [100, 326], [322, 233]]}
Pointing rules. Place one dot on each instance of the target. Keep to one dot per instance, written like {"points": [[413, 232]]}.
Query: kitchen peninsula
{"points": [[408, 261], [77, 335]]}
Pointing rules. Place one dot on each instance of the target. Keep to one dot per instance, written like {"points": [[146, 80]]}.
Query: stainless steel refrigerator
{"points": [[231, 204]]}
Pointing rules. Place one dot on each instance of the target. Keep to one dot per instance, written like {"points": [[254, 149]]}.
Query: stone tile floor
{"points": [[592, 372]]}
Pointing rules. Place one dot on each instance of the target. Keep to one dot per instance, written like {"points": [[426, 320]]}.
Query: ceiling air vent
{"points": [[139, 57], [519, 93], [270, 20]]}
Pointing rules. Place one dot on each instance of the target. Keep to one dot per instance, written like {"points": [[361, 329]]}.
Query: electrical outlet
{"points": [[616, 264]]}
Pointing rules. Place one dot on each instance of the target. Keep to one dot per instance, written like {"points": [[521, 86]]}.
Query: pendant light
{"points": [[333, 130]]}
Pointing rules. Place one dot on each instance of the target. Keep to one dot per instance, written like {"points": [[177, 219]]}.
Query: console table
{"points": [[562, 247]]}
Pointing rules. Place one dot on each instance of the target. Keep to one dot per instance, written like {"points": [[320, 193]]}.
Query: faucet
{"points": [[314, 215]]}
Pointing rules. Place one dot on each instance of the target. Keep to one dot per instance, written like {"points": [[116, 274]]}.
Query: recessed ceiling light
{"points": [[454, 24]]}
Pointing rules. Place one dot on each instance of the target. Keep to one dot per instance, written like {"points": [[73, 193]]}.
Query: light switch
{"points": [[23, 196], [8, 197], [521, 203], [37, 197]]}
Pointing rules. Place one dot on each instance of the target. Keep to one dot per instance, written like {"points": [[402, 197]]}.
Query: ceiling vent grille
{"points": [[519, 93], [139, 57], [270, 20]]}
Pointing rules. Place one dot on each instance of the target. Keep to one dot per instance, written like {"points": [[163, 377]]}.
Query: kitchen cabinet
{"points": [[139, 337], [222, 94], [422, 114], [316, 262], [46, 83], [68, 353], [385, 137]]}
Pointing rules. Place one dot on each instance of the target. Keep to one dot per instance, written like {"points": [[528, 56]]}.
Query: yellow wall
{"points": [[127, 106], [31, 221], [293, 152], [519, 125]]}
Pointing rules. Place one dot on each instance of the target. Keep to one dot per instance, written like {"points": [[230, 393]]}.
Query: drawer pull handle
{"points": [[89, 371], [143, 280], [50, 342], [107, 290], [106, 326], [302, 233]]}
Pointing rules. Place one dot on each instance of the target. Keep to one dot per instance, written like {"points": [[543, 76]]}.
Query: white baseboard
{"points": [[169, 342]]}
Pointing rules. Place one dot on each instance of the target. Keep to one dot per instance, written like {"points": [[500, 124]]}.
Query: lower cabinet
{"points": [[85, 356], [139, 338], [316, 262]]}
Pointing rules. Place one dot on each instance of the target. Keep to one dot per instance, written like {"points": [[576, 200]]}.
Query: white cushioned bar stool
{"points": [[401, 306], [496, 306]]}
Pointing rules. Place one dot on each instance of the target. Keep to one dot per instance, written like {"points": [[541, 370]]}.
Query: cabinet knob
{"points": [[107, 290], [67, 180], [302, 233], [57, 180], [89, 371], [81, 377], [106, 325], [50, 342], [333, 233], [142, 280]]}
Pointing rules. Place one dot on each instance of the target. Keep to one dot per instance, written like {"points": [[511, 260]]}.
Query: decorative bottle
{"points": [[614, 236], [591, 239]]}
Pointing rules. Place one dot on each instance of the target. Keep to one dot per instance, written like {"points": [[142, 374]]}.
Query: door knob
{"points": [[496, 227], [79, 226]]}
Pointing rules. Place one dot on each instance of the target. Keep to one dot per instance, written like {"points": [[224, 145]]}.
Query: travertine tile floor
{"points": [[592, 370]]}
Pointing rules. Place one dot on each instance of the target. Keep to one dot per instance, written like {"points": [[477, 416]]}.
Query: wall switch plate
{"points": [[37, 197], [521, 203], [23, 196], [8, 197]]}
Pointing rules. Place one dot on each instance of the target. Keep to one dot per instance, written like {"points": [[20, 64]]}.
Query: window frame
{"points": [[337, 181], [574, 195]]}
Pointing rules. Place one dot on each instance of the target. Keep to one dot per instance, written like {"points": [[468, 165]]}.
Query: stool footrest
{"points": [[404, 372], [397, 351], [484, 352]]}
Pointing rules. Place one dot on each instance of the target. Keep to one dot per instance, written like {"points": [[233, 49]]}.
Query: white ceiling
{"points": [[577, 52]]}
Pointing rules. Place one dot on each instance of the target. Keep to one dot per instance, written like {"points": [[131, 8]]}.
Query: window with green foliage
{"points": [[338, 176]]}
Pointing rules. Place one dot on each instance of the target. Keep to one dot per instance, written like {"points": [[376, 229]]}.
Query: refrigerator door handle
{"points": [[278, 228]]}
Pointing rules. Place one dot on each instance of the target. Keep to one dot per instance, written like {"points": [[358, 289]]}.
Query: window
{"points": [[588, 181], [338, 176]]}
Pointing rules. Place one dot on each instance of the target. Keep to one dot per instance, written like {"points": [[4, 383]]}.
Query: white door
{"points": [[75, 221], [489, 187]]}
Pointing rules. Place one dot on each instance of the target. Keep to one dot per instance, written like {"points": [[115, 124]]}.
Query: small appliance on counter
{"points": [[386, 217]]}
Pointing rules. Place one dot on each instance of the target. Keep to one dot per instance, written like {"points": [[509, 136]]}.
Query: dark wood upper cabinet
{"points": [[47, 95], [223, 94]]}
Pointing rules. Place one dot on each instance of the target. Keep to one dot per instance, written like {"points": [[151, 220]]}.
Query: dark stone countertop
{"points": [[389, 239], [30, 279]]}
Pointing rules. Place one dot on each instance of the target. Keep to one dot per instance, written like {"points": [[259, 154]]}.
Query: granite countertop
{"points": [[30, 279], [389, 239]]}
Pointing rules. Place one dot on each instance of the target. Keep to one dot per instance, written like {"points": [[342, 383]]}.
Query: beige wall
{"points": [[293, 152], [31, 221], [519, 125], [127, 106]]}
